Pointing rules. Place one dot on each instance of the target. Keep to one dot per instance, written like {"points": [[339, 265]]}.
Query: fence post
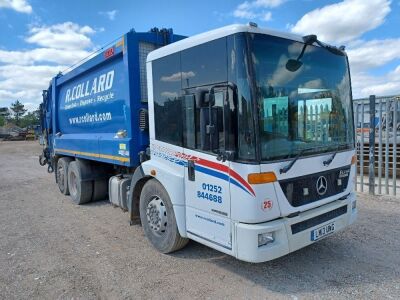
{"points": [[362, 148], [394, 160], [371, 167], [357, 145], [380, 148], [387, 108]]}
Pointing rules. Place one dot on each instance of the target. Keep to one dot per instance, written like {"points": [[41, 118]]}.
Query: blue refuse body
{"points": [[93, 111]]}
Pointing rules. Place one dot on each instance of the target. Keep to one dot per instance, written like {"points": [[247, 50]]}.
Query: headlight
{"points": [[265, 239]]}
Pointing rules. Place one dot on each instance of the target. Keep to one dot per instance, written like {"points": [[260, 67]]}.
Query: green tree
{"points": [[19, 110], [30, 119], [2, 121]]}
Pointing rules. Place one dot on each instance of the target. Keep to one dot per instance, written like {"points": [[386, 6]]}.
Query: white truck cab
{"points": [[251, 143]]}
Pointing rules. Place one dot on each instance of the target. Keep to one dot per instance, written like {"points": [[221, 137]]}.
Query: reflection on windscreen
{"points": [[309, 109], [301, 124], [313, 119], [276, 115]]}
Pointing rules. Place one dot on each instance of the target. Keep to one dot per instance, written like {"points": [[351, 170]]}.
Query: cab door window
{"points": [[167, 100], [209, 120], [204, 64]]}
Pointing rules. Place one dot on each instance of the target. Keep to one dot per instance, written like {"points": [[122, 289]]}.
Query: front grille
{"points": [[303, 190], [298, 227]]}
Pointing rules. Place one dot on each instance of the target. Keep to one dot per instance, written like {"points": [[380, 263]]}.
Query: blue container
{"points": [[88, 106]]}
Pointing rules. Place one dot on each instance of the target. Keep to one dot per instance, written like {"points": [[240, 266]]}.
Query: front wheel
{"points": [[158, 218]]}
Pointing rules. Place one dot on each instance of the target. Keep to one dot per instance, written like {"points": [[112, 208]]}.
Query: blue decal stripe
{"points": [[233, 181], [214, 173]]}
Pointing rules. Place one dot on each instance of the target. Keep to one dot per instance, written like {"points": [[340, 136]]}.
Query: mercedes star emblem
{"points": [[322, 185]]}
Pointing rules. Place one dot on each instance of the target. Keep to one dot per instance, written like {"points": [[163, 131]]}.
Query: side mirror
{"points": [[293, 65]]}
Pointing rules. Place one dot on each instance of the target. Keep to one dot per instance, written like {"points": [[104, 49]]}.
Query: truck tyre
{"points": [[79, 189], [62, 174], [158, 218]]}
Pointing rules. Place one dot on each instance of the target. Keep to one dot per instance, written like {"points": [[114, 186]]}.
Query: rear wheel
{"points": [[80, 190], [158, 218], [62, 174]]}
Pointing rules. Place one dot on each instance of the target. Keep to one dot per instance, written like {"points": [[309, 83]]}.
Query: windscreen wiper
{"points": [[286, 168], [293, 65], [328, 161]]}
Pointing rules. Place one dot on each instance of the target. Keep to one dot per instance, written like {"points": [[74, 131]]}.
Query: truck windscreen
{"points": [[304, 111]]}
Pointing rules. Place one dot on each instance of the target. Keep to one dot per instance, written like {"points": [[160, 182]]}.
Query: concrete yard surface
{"points": [[53, 249]]}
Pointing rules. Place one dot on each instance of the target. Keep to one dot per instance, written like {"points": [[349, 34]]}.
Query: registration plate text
{"points": [[322, 231]]}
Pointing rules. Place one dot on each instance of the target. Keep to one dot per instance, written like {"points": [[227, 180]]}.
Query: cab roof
{"points": [[216, 34]]}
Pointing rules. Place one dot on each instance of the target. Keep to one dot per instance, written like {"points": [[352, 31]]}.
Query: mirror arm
{"points": [[221, 156], [225, 155]]}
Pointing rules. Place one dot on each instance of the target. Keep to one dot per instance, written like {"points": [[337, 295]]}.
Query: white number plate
{"points": [[320, 232]]}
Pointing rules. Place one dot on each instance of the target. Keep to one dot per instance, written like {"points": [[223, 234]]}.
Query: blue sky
{"points": [[39, 38]]}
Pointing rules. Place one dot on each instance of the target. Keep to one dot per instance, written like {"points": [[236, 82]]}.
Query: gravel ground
{"points": [[53, 249]]}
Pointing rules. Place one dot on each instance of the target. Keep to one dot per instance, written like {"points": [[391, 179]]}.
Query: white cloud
{"points": [[382, 89], [21, 6], [346, 22], [66, 35], [178, 76], [395, 74], [343, 21], [255, 9], [374, 53], [25, 73], [244, 12], [109, 14], [31, 78], [41, 55], [268, 3], [364, 56], [267, 16], [365, 84]]}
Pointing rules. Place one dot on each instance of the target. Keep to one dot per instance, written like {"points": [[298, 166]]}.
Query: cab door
{"points": [[207, 138]]}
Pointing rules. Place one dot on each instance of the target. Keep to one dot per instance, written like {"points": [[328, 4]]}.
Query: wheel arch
{"points": [[139, 178]]}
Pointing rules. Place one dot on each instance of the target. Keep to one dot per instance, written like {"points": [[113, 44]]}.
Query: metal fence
{"points": [[377, 129]]}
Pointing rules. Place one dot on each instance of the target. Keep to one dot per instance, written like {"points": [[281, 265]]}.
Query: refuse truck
{"points": [[240, 138]]}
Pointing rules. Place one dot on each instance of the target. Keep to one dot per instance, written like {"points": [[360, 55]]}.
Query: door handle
{"points": [[191, 174]]}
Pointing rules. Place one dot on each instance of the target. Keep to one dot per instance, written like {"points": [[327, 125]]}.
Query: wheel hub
{"points": [[157, 215]]}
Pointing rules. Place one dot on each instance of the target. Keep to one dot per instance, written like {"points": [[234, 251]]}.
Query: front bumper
{"points": [[286, 240]]}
